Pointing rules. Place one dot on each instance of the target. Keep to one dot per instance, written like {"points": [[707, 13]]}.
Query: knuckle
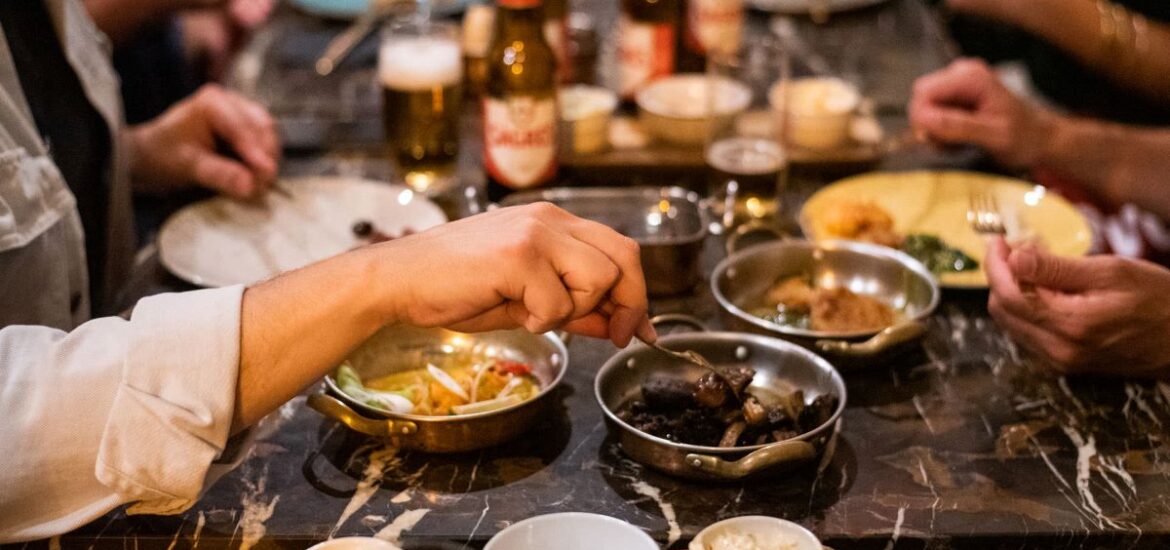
{"points": [[631, 249], [545, 210]]}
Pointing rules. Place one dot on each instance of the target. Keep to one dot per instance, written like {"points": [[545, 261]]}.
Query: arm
{"points": [[965, 103], [147, 405], [1125, 47]]}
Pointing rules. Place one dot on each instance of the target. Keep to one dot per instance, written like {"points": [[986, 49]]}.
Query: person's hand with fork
{"points": [[1100, 314]]}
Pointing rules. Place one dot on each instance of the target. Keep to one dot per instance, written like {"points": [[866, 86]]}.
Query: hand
{"points": [[1104, 314], [535, 266], [179, 148], [966, 103], [212, 37]]}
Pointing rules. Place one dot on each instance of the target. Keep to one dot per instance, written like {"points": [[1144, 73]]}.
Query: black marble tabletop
{"points": [[961, 443]]}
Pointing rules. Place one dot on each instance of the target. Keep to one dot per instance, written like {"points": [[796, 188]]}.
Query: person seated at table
{"points": [[1107, 313], [1102, 58], [150, 410]]}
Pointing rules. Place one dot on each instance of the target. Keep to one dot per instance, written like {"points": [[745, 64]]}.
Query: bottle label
{"points": [[714, 25], [520, 144], [645, 52], [519, 4]]}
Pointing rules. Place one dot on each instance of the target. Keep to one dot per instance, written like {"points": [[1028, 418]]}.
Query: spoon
{"points": [[694, 357]]}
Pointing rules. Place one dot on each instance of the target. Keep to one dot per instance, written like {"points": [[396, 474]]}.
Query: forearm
{"points": [[1123, 54], [297, 327], [1124, 164]]}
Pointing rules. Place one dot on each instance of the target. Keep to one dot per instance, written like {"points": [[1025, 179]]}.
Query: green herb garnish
{"points": [[936, 255]]}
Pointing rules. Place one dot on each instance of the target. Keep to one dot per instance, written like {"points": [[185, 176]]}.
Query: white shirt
{"points": [[106, 412]]}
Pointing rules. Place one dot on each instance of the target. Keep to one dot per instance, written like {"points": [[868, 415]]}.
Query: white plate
{"points": [[802, 7], [571, 531], [222, 242]]}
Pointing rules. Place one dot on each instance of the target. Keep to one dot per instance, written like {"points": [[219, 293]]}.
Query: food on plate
{"points": [[723, 410], [461, 385], [366, 230], [866, 221], [936, 255], [795, 302], [734, 540], [862, 221]]}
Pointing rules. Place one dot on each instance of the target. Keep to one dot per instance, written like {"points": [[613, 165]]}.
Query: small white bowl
{"points": [[820, 110], [676, 109], [769, 532], [585, 115], [571, 531], [355, 543]]}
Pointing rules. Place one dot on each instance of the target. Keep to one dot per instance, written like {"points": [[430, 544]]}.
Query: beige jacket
{"points": [[104, 412]]}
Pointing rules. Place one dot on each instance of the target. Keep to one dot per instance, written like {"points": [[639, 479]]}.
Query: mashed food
{"points": [[741, 541]]}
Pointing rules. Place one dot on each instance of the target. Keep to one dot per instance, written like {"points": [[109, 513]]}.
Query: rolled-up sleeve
{"points": [[116, 411]]}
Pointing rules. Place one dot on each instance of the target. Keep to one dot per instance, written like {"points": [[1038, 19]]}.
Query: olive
{"points": [[363, 228]]}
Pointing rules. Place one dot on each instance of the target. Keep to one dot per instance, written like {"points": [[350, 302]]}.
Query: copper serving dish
{"points": [[777, 363], [400, 348], [740, 280]]}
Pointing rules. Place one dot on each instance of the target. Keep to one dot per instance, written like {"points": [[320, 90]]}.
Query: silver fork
{"points": [[983, 214]]}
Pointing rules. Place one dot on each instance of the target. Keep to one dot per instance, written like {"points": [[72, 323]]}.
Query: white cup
{"points": [[769, 532], [355, 543], [571, 531]]}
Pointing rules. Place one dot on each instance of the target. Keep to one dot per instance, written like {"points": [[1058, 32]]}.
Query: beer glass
{"points": [[747, 163], [420, 68]]}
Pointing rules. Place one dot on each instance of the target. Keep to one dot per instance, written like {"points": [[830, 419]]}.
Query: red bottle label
{"points": [[520, 140], [645, 53]]}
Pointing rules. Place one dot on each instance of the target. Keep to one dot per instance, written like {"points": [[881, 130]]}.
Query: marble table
{"points": [[962, 443]]}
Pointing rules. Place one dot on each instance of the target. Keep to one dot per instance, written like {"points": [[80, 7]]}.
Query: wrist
{"points": [[386, 302]]}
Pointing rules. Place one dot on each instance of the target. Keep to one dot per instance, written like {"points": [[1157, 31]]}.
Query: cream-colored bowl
{"points": [[571, 531], [585, 115], [677, 109], [767, 532], [819, 110]]}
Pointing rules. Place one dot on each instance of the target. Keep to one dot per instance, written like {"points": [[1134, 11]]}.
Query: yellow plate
{"points": [[936, 203]]}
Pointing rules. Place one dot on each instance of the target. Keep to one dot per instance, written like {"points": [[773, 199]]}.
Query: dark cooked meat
{"points": [[711, 391], [664, 392], [694, 426]]}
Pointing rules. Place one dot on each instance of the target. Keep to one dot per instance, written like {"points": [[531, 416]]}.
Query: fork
{"points": [[983, 214]]}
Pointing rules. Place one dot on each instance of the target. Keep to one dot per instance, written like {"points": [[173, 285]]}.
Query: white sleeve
{"points": [[116, 411]]}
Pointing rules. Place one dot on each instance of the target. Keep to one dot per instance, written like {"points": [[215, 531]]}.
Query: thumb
{"points": [[1031, 265], [222, 174]]}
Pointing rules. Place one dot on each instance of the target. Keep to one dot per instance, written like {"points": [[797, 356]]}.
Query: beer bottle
{"points": [[556, 32], [520, 106], [708, 26], [647, 32]]}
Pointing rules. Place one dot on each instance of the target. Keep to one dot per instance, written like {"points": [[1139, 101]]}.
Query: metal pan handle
{"points": [[750, 234], [334, 408], [776, 454], [880, 342]]}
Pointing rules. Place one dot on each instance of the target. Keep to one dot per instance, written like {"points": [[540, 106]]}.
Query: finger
{"points": [[545, 303], [1004, 287], [587, 273], [952, 125], [222, 174], [629, 292], [962, 83], [594, 325], [1032, 265], [1052, 348], [233, 124]]}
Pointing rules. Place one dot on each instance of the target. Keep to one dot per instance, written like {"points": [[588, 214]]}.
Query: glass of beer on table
{"points": [[420, 68], [747, 163]]}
